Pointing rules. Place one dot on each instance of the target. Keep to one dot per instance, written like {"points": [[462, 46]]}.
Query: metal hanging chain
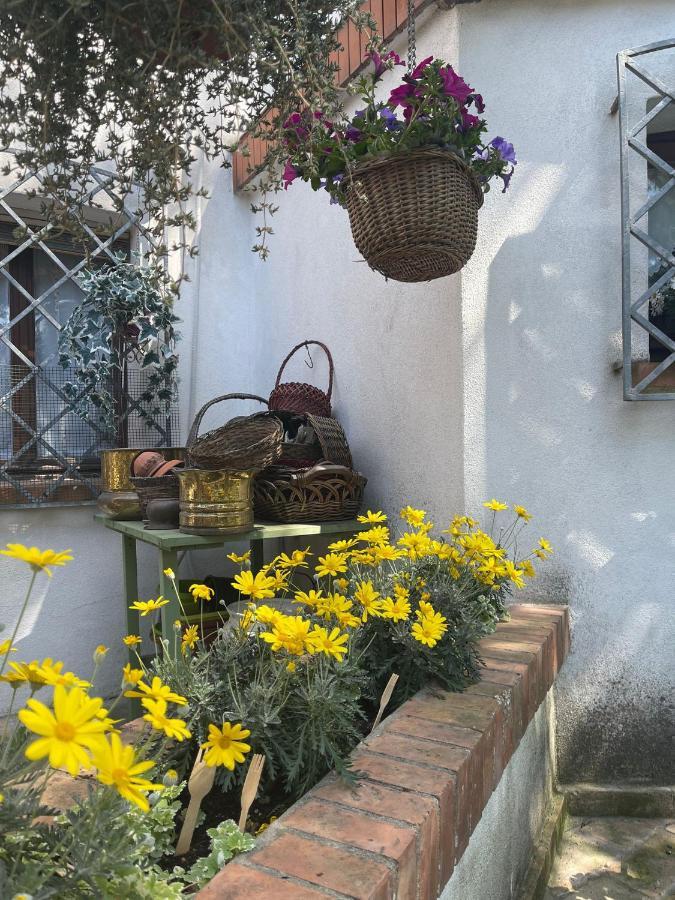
{"points": [[412, 50]]}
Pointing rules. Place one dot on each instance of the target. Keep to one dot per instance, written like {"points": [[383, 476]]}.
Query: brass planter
{"points": [[215, 501], [118, 499]]}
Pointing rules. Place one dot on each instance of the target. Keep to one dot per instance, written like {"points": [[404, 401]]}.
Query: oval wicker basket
{"points": [[319, 494], [164, 487], [414, 217], [245, 443]]}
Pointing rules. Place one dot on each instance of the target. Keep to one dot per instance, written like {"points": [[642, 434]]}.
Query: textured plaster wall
{"points": [[498, 381], [495, 862]]}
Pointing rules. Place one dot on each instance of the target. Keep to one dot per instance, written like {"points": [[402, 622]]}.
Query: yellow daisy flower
{"points": [[25, 673], [156, 691], [289, 633], [132, 640], [189, 640], [117, 766], [201, 592], [257, 587], [156, 716], [5, 648], [169, 573], [343, 546], [372, 518], [397, 610], [145, 607], [130, 676], [38, 560], [297, 559], [308, 598], [429, 630], [331, 564], [522, 513], [333, 644], [495, 505], [414, 517], [379, 534], [545, 546], [67, 732], [100, 652], [225, 746], [239, 558], [366, 596]]}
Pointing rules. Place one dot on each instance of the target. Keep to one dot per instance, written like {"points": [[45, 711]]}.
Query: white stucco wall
{"points": [[497, 382]]}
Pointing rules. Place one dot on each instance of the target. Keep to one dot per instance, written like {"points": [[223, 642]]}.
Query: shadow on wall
{"points": [[560, 439]]}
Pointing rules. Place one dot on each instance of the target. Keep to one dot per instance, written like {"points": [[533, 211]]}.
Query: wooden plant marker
{"points": [[384, 700], [250, 789], [200, 783]]}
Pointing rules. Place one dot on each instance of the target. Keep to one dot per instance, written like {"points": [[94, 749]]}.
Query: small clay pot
{"points": [[162, 514]]}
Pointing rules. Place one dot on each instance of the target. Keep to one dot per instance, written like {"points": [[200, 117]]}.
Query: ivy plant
{"points": [[145, 86], [124, 319]]}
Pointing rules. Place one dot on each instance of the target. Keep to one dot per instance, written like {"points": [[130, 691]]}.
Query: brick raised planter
{"points": [[427, 773]]}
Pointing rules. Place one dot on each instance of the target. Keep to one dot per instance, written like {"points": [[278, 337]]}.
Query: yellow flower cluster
{"points": [[430, 625], [298, 636]]}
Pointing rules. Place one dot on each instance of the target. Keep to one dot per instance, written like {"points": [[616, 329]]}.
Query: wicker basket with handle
{"points": [[298, 397], [319, 494], [414, 217], [245, 443]]}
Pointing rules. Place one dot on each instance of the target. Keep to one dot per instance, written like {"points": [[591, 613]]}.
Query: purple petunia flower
{"points": [[506, 178], [401, 95], [389, 117], [380, 62], [454, 85], [290, 174], [478, 100], [505, 150], [417, 71], [352, 134], [468, 121]]}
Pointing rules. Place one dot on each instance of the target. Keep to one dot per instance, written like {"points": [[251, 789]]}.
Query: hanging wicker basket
{"points": [[245, 443], [414, 217]]}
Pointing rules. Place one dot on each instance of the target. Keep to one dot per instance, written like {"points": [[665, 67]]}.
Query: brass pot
{"points": [[215, 501], [118, 499]]}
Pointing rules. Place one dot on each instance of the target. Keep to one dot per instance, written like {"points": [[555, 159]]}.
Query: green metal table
{"points": [[171, 543]]}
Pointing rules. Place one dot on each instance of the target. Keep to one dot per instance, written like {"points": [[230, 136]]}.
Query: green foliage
{"points": [[144, 86], [226, 842], [123, 317]]}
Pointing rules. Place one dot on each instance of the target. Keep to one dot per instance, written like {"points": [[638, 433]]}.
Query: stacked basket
{"points": [[314, 480]]}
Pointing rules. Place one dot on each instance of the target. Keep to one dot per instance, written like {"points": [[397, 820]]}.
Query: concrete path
{"points": [[615, 859]]}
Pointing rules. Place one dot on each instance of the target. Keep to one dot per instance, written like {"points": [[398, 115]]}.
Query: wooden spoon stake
{"points": [[384, 700], [250, 789], [200, 783]]}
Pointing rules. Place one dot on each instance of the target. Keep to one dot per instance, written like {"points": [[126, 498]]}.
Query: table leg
{"points": [[257, 556], [130, 590], [129, 564], [168, 559]]}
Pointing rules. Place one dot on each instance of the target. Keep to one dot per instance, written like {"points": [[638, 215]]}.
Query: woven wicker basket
{"points": [[414, 217], [298, 397], [245, 443], [319, 494], [165, 487]]}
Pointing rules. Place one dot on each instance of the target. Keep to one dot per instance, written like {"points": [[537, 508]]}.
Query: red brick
{"points": [[500, 669], [452, 709], [558, 614], [519, 629], [318, 863], [502, 648], [420, 780], [510, 701], [436, 731], [236, 881], [399, 805], [357, 829]]}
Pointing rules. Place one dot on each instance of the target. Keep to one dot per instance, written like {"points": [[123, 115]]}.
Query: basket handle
{"points": [[194, 430], [319, 469], [330, 364]]}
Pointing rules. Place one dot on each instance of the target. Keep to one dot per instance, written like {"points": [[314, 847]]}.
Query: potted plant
{"points": [[123, 319], [411, 170]]}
